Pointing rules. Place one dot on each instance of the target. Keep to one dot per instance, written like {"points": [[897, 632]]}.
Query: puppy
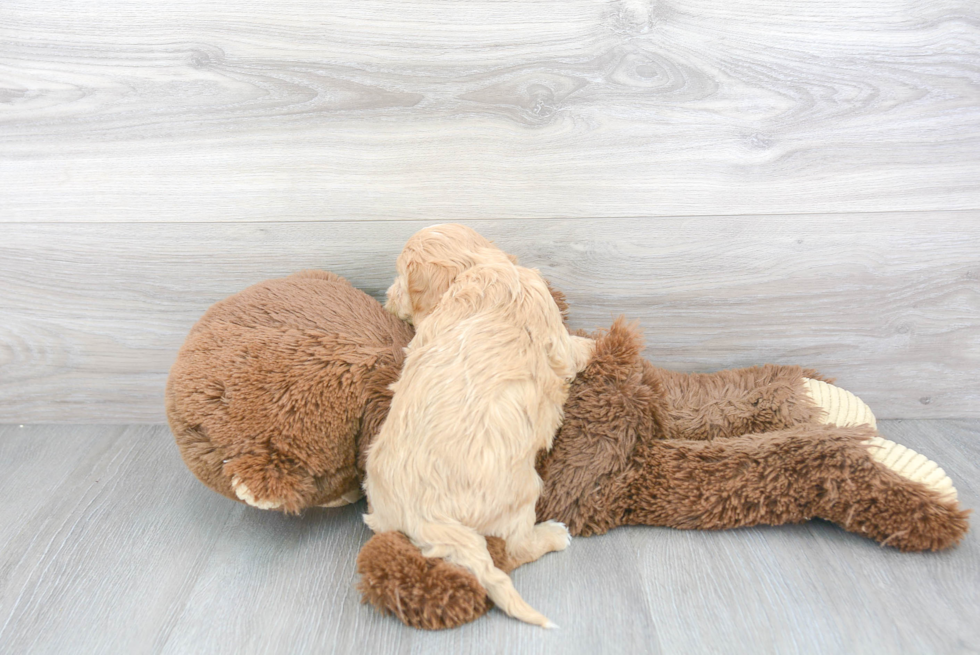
{"points": [[481, 392]]}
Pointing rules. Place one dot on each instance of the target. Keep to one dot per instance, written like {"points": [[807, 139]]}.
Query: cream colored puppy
{"points": [[481, 392]]}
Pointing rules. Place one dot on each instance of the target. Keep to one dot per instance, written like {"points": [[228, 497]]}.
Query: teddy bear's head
{"points": [[277, 389]]}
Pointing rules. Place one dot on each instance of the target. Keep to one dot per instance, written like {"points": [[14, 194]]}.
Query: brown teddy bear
{"points": [[279, 389]]}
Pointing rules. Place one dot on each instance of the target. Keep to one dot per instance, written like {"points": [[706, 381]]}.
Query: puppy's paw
{"points": [[557, 534], [248, 497]]}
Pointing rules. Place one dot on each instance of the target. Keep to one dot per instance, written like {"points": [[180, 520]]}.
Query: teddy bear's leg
{"points": [[838, 406], [733, 402], [842, 408], [789, 476]]}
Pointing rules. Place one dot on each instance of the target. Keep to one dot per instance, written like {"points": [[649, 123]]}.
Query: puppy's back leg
{"points": [[526, 541]]}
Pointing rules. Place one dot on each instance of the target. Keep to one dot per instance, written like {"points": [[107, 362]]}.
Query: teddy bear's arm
{"points": [[790, 476], [427, 593]]}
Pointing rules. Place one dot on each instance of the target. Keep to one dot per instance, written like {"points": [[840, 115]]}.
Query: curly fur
{"points": [[481, 392]]}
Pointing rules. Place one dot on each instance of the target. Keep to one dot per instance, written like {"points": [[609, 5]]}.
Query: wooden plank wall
{"points": [[795, 182]]}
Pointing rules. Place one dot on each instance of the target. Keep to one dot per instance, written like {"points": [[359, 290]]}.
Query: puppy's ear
{"points": [[559, 299], [426, 285]]}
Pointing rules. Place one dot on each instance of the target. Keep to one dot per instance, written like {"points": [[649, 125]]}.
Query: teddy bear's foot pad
{"points": [[246, 496], [912, 465], [842, 408]]}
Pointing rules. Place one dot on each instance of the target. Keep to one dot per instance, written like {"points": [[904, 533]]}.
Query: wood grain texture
{"points": [[119, 110], [93, 314], [108, 544]]}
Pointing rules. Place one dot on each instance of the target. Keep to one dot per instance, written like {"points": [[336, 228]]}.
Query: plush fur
{"points": [[481, 392], [639, 445], [278, 388], [427, 591]]}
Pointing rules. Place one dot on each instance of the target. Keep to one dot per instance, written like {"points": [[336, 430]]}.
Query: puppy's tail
{"points": [[466, 547]]}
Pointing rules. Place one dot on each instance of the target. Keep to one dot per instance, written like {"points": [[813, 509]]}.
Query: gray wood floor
{"points": [[108, 545]]}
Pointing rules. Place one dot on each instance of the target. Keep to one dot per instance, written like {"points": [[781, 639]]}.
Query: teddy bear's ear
{"points": [[427, 282]]}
